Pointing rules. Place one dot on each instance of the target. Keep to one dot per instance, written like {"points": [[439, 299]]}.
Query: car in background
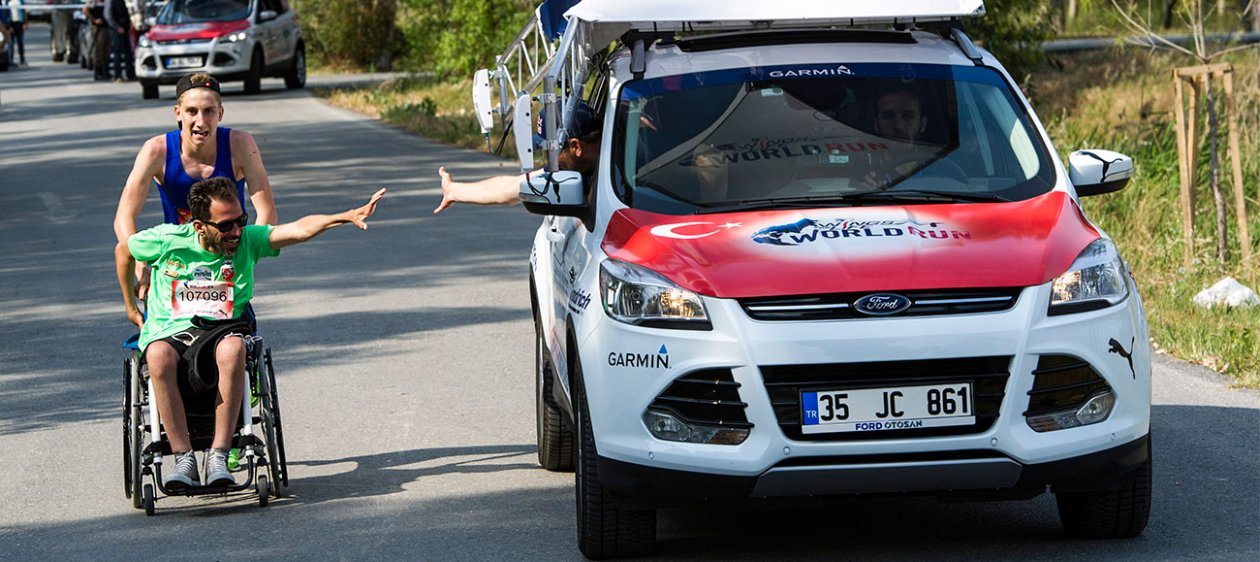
{"points": [[232, 40]]}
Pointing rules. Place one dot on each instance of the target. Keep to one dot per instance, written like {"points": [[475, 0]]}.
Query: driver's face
{"points": [[899, 117]]}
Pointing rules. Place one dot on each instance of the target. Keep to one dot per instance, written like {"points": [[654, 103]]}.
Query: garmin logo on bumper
{"points": [[640, 360], [882, 304]]}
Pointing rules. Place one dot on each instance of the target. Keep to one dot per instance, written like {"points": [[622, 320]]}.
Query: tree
{"points": [[1013, 30]]}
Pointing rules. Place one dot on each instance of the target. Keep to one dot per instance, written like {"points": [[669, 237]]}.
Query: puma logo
{"points": [[1128, 355]]}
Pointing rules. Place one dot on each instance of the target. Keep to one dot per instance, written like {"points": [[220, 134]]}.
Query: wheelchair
{"points": [[145, 444]]}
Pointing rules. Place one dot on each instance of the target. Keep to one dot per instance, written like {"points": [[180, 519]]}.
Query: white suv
{"points": [[829, 260], [228, 39]]}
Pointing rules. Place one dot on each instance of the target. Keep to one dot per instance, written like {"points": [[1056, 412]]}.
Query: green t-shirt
{"points": [[188, 280]]}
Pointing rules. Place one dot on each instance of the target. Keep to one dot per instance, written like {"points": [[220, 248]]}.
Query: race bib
{"points": [[200, 297]]}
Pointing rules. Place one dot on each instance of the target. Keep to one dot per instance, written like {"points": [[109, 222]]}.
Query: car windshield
{"points": [[844, 134], [189, 11]]}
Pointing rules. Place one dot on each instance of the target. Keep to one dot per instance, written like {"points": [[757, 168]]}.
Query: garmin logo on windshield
{"points": [[806, 72], [882, 304]]}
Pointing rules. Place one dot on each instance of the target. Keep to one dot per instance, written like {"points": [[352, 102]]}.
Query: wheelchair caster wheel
{"points": [[148, 499], [264, 491]]}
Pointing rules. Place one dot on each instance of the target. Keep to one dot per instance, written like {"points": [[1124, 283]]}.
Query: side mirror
{"points": [[481, 100], [267, 15], [558, 193], [1094, 172], [523, 133]]}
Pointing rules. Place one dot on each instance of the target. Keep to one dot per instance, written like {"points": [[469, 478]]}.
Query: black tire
{"points": [[148, 90], [267, 416], [296, 76], [253, 81], [277, 457], [1113, 514], [133, 432], [555, 438], [604, 529], [126, 442], [264, 491], [149, 508]]}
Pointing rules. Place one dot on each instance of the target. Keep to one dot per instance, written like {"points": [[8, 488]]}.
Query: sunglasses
{"points": [[226, 226]]}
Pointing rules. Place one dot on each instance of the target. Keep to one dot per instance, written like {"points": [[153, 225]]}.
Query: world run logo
{"points": [[805, 231]]}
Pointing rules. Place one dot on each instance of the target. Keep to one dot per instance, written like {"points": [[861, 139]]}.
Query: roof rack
{"points": [[552, 50]]}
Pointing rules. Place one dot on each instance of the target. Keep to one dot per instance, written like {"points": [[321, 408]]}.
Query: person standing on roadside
{"points": [[62, 42], [17, 33], [122, 62], [95, 12]]}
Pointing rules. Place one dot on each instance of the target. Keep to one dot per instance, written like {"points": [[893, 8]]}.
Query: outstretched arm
{"points": [[498, 190], [310, 226]]}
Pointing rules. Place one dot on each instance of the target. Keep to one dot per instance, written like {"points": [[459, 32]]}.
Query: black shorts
{"points": [[196, 392]]}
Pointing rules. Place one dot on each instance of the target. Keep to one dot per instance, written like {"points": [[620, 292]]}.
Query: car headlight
{"points": [[1095, 280], [144, 41], [637, 295], [233, 37]]}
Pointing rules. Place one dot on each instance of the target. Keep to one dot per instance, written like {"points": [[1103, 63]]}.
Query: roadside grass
{"points": [[1119, 100]]}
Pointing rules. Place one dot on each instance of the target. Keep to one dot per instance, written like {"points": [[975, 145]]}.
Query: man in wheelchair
{"points": [[194, 337]]}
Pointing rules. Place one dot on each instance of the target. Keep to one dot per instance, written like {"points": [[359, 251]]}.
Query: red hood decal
{"points": [[835, 250], [199, 30]]}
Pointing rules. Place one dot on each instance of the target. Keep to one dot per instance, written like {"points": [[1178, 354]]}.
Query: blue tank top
{"points": [[176, 182]]}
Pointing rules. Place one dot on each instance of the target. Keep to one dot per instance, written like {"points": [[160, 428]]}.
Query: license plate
{"points": [[183, 62], [886, 409]]}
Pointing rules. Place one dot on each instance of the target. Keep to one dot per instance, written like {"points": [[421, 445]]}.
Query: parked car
{"points": [[832, 255], [231, 40]]}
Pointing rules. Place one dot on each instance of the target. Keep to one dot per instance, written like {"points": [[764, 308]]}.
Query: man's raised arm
{"points": [[310, 226]]}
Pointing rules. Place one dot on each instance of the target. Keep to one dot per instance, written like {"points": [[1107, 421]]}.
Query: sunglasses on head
{"points": [[226, 226]]}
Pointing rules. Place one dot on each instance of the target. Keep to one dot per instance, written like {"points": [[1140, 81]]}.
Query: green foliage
{"points": [[356, 33], [476, 32], [1013, 31]]}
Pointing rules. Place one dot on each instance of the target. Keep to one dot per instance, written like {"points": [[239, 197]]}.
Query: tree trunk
{"points": [[1255, 17], [1214, 178], [1169, 7]]}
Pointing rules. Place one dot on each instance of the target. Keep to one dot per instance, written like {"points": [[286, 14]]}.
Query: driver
{"points": [[204, 269]]}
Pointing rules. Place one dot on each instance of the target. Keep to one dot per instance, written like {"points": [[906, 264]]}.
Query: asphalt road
{"points": [[404, 361]]}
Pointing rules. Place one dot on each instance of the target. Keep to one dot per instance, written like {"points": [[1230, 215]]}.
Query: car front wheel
{"points": [[605, 530], [1121, 512]]}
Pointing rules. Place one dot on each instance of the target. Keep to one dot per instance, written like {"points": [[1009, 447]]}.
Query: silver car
{"points": [[228, 39]]}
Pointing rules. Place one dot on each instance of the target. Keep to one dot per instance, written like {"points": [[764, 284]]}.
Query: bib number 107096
{"points": [[208, 299]]}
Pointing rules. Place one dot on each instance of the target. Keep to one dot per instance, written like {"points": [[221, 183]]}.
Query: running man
{"points": [[197, 150], [204, 269]]}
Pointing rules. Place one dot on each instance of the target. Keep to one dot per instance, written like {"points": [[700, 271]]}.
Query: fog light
{"points": [[669, 427], [1096, 409]]}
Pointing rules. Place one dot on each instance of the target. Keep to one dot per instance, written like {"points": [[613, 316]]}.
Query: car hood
{"points": [[198, 30], [851, 249]]}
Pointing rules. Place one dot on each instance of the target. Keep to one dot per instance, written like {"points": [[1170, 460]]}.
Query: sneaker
{"points": [[217, 473], [183, 474]]}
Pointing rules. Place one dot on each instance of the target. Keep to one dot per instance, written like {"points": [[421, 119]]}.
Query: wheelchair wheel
{"points": [[149, 508], [275, 432], [132, 432], [261, 487]]}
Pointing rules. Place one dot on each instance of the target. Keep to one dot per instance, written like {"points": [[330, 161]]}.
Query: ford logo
{"points": [[882, 304]]}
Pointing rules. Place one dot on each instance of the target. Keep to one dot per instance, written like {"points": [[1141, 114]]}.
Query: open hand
{"points": [[359, 216], [448, 195]]}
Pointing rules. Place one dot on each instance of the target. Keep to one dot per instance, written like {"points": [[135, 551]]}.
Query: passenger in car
{"points": [[580, 153]]}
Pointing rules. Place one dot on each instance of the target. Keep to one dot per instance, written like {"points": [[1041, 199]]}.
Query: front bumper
{"points": [[777, 460], [964, 475], [167, 63]]}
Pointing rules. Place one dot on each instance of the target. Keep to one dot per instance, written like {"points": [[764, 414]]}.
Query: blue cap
{"points": [[583, 123]]}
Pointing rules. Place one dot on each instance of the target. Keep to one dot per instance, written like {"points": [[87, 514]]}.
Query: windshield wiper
{"points": [[854, 199]]}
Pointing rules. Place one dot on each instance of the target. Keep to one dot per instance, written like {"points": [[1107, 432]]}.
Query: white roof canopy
{"points": [[719, 14]]}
